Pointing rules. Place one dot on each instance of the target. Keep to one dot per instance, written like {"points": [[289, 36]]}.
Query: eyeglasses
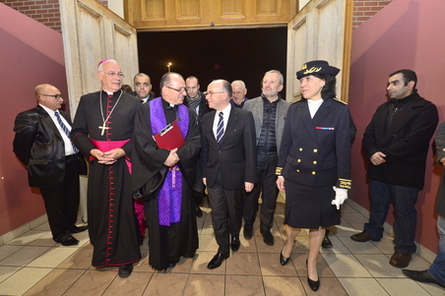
{"points": [[114, 74], [211, 93], [58, 96], [182, 89]]}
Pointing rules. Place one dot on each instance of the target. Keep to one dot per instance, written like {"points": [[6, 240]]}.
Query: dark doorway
{"points": [[244, 54]]}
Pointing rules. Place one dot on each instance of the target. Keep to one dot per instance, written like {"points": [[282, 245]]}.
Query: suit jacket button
{"points": [[297, 171], [298, 160], [314, 173], [315, 150], [300, 149], [314, 162]]}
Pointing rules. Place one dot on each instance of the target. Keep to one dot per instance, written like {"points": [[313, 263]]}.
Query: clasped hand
{"points": [[172, 158], [109, 157]]}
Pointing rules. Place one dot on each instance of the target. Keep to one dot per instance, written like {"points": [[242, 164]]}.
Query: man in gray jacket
{"points": [[269, 112]]}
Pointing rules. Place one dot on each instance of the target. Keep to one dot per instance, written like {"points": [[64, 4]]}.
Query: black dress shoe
{"points": [[268, 237], [400, 260], [67, 240], [248, 232], [77, 229], [314, 285], [326, 243], [198, 212], [421, 276], [217, 260], [363, 237], [283, 260], [125, 270], [235, 244]]}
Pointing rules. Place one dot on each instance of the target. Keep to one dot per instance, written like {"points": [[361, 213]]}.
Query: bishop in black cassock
{"points": [[102, 130]]}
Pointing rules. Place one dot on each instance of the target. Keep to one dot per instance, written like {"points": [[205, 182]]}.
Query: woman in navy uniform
{"points": [[314, 161]]}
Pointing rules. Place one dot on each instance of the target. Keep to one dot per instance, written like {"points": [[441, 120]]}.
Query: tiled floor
{"points": [[33, 264]]}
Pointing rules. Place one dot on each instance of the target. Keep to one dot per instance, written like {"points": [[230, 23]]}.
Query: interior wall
{"points": [[31, 54], [405, 34]]}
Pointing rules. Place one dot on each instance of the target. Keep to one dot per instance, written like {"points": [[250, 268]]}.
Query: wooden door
{"points": [[92, 32], [320, 31]]}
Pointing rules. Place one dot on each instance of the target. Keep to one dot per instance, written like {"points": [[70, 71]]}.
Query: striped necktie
{"points": [[220, 127], [65, 129]]}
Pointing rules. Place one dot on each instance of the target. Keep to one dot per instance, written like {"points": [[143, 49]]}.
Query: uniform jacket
{"points": [[440, 144], [39, 146], [256, 107], [317, 152], [405, 145], [235, 156]]}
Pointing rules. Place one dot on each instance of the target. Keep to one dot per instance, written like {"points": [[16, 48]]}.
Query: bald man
{"points": [[43, 145]]}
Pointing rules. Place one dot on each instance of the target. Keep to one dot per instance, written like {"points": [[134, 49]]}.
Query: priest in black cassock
{"points": [[171, 215], [102, 130]]}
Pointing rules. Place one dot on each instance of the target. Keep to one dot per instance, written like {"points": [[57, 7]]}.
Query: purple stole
{"points": [[170, 195]]}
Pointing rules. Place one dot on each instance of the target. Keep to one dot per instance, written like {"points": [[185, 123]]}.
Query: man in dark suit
{"points": [[228, 161], [142, 87], [43, 145], [195, 101], [396, 143]]}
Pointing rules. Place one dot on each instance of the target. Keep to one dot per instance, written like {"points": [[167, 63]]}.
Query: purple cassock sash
{"points": [[170, 195]]}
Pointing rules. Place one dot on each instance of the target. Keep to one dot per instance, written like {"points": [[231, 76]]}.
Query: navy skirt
{"points": [[310, 207]]}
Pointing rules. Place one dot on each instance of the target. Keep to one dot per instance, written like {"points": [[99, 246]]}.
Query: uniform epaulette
{"points": [[338, 100]]}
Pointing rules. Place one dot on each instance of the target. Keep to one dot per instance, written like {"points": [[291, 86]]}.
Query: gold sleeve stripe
{"points": [[278, 171], [344, 183]]}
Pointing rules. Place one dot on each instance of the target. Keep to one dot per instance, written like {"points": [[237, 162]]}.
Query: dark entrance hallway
{"points": [[244, 54]]}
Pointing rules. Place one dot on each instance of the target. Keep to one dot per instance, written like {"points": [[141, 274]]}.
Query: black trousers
{"points": [[62, 201], [226, 213], [266, 165]]}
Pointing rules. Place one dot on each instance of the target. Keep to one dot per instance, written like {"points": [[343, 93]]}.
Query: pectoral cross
{"points": [[103, 128]]}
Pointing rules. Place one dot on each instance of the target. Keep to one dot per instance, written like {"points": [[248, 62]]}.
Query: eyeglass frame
{"points": [[114, 74], [211, 93], [58, 96], [182, 89]]}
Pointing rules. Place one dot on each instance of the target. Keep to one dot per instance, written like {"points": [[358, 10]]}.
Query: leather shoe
{"points": [[363, 237], [68, 240], [217, 260], [314, 285], [326, 243], [235, 243], [248, 232], [77, 229], [125, 270], [267, 237], [283, 260], [421, 276], [198, 212], [400, 260]]}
